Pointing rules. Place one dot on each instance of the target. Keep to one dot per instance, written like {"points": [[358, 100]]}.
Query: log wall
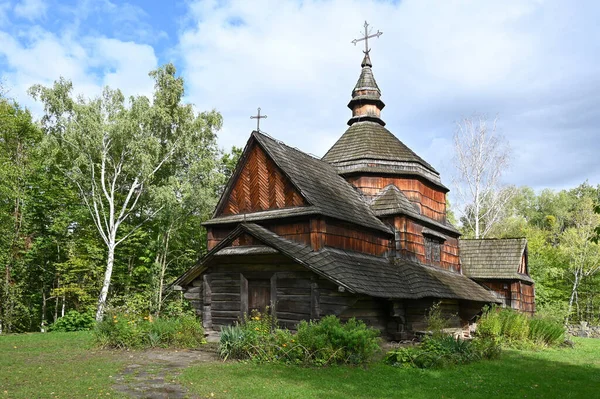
{"points": [[430, 199], [220, 297], [260, 186]]}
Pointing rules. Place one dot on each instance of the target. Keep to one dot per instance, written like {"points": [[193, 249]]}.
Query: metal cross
{"points": [[367, 37], [258, 118]]}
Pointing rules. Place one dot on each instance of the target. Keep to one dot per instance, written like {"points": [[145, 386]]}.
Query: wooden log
{"points": [[226, 297], [225, 305]]}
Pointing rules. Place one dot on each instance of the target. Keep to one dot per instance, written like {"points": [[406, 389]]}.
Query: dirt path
{"points": [[151, 374]]}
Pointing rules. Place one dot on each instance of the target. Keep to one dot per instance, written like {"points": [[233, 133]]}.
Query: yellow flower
{"points": [[115, 316], [256, 328], [284, 345]]}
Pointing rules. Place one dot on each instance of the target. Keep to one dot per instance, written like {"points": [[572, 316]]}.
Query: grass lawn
{"points": [[63, 365], [564, 373], [55, 365]]}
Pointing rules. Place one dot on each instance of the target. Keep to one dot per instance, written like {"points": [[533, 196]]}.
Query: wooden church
{"points": [[361, 232]]}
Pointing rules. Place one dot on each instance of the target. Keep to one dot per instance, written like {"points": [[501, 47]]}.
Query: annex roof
{"points": [[493, 258], [360, 273]]}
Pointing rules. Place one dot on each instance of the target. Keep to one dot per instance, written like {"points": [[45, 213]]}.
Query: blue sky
{"points": [[533, 63]]}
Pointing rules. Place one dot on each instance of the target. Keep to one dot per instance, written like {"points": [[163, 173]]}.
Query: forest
{"points": [[102, 200]]}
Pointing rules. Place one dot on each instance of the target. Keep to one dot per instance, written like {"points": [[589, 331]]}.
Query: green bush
{"points": [[515, 325], [442, 351], [231, 343], [122, 331], [331, 341], [328, 341], [73, 321], [489, 324]]}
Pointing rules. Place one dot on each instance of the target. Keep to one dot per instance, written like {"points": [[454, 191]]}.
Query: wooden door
{"points": [[259, 294]]}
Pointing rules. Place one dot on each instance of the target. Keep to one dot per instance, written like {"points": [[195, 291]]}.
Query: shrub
{"points": [[331, 341], [489, 324], [231, 343], [73, 321], [122, 331], [546, 331], [436, 322], [442, 351], [317, 343]]}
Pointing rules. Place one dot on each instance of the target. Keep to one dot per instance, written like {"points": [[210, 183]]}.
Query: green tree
{"points": [[119, 152], [18, 138], [583, 254]]}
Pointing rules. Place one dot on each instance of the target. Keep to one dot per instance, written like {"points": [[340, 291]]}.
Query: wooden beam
{"points": [[243, 296], [206, 302], [274, 299], [315, 308]]}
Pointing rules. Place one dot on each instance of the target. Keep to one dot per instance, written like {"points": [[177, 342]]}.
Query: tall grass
{"points": [[516, 329], [544, 331]]}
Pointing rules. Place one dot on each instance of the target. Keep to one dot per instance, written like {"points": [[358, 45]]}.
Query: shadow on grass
{"points": [[516, 375]]}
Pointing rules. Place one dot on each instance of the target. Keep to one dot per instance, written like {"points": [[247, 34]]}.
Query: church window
{"points": [[433, 249]]}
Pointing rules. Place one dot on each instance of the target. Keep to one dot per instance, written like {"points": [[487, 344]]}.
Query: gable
{"points": [[258, 185]]}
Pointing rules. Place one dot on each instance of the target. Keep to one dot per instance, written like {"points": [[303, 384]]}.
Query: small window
{"points": [[433, 249]]}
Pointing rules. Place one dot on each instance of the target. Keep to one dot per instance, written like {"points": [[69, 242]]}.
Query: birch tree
{"points": [[582, 252], [117, 151], [481, 154]]}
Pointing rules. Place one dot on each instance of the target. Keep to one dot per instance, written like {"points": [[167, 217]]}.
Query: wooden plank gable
{"points": [[259, 185]]}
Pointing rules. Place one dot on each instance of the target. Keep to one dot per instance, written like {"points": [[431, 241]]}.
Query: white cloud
{"points": [[89, 62], [436, 62], [31, 9]]}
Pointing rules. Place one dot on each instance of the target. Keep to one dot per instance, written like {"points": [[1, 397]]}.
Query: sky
{"points": [[531, 63]]}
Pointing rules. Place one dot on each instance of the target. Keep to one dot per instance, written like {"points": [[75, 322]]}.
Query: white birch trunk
{"points": [[106, 284]]}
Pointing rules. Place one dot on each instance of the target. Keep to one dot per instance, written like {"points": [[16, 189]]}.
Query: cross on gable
{"points": [[366, 38], [258, 118]]}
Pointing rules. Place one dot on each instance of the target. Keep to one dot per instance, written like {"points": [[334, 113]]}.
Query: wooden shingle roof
{"points": [[328, 192], [360, 273], [370, 140], [392, 201], [493, 258]]}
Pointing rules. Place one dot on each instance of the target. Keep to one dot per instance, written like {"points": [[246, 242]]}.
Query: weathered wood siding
{"points": [[318, 233], [297, 230], [410, 243], [261, 185], [430, 199], [514, 294], [346, 236]]}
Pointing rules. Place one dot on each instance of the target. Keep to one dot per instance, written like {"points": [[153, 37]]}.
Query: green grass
{"points": [[564, 373], [55, 365], [63, 365]]}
